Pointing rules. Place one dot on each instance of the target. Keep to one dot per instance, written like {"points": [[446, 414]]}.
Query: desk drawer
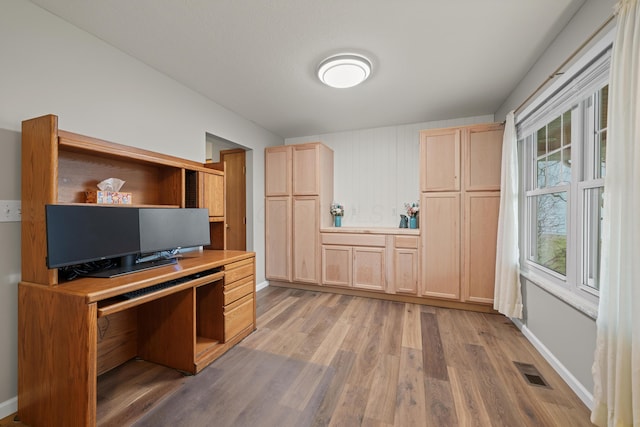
{"points": [[238, 316], [238, 270], [237, 290]]}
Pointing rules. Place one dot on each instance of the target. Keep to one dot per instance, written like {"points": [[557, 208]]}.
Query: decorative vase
{"points": [[404, 221], [337, 220], [413, 222]]}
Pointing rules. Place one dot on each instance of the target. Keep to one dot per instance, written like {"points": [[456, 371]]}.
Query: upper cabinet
{"points": [[278, 171], [440, 160], [213, 193], [483, 157], [306, 170], [65, 165]]}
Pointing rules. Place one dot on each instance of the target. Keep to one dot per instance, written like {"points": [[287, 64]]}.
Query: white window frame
{"points": [[569, 92]]}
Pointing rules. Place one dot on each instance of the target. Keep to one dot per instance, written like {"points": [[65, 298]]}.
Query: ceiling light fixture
{"points": [[344, 70]]}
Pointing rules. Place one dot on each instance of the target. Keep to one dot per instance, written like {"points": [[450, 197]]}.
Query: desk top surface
{"points": [[98, 289]]}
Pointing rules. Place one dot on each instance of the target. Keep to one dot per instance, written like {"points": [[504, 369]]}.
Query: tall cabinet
{"points": [[299, 191], [460, 197]]}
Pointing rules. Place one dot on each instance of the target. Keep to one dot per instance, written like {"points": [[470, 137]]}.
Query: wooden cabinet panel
{"points": [[480, 234], [336, 265], [238, 316], [306, 236], [405, 270], [369, 268], [237, 290], [440, 160], [213, 194], [277, 171], [278, 238], [483, 157], [306, 164], [440, 245]]}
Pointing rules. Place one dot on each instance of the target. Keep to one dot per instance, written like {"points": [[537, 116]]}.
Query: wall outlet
{"points": [[10, 210]]}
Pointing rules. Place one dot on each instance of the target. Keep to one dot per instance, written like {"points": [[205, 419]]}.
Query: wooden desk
{"points": [[73, 332]]}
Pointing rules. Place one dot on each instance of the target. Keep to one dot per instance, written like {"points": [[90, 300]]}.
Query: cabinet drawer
{"points": [[238, 316], [237, 271], [353, 239], [408, 242], [237, 290]]}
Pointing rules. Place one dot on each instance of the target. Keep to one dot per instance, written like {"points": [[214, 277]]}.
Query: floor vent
{"points": [[531, 374]]}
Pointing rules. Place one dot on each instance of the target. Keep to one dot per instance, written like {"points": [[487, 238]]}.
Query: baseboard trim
{"points": [[261, 286], [8, 407], [580, 390]]}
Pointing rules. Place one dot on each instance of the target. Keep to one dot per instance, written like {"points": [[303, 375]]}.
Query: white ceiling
{"points": [[432, 59]]}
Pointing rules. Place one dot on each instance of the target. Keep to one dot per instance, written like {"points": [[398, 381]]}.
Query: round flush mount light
{"points": [[344, 70]]}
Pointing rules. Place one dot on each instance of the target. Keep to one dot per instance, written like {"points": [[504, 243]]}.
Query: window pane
{"points": [[566, 165], [592, 236], [604, 107], [554, 134], [603, 152], [551, 232], [566, 128], [542, 141], [554, 169], [541, 172]]}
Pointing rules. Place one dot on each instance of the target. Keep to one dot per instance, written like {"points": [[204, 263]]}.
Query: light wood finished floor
{"points": [[320, 359]]}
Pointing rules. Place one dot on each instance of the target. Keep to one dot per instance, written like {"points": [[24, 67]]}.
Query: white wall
{"points": [[377, 170], [52, 67]]}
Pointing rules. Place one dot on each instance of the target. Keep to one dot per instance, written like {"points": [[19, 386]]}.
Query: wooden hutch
{"points": [[71, 332]]}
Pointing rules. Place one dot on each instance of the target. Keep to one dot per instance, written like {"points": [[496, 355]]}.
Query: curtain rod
{"points": [[558, 71]]}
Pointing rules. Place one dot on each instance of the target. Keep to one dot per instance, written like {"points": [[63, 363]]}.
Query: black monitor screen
{"points": [[78, 234], [167, 228]]}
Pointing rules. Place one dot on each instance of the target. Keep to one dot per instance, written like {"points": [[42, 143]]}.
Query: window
{"points": [[563, 143]]}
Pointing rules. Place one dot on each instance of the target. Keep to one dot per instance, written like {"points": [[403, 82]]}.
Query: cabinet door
{"points": [[440, 160], [278, 238], [213, 192], [440, 216], [336, 265], [483, 157], [405, 271], [306, 246], [480, 234], [368, 268], [306, 164], [277, 168]]}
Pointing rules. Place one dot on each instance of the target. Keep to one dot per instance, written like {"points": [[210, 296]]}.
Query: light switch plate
{"points": [[10, 210]]}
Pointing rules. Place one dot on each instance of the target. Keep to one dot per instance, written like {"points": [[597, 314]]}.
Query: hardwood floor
{"points": [[320, 359]]}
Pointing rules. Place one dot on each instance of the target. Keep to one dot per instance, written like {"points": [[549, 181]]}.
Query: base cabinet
{"points": [[337, 265], [369, 268], [405, 264]]}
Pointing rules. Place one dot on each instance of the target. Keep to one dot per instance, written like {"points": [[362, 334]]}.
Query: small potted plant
{"points": [[337, 210], [412, 212]]}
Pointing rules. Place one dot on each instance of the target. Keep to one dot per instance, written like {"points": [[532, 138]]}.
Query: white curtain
{"points": [[507, 294], [616, 369]]}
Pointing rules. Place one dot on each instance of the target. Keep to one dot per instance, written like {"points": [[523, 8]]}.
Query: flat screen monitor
{"points": [[80, 234], [166, 228]]}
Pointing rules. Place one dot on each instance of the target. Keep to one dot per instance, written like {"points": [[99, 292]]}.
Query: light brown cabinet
{"points": [[480, 233], [380, 262], [354, 260], [440, 160], [213, 194], [278, 238], [440, 216], [406, 263], [299, 191], [460, 221]]}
